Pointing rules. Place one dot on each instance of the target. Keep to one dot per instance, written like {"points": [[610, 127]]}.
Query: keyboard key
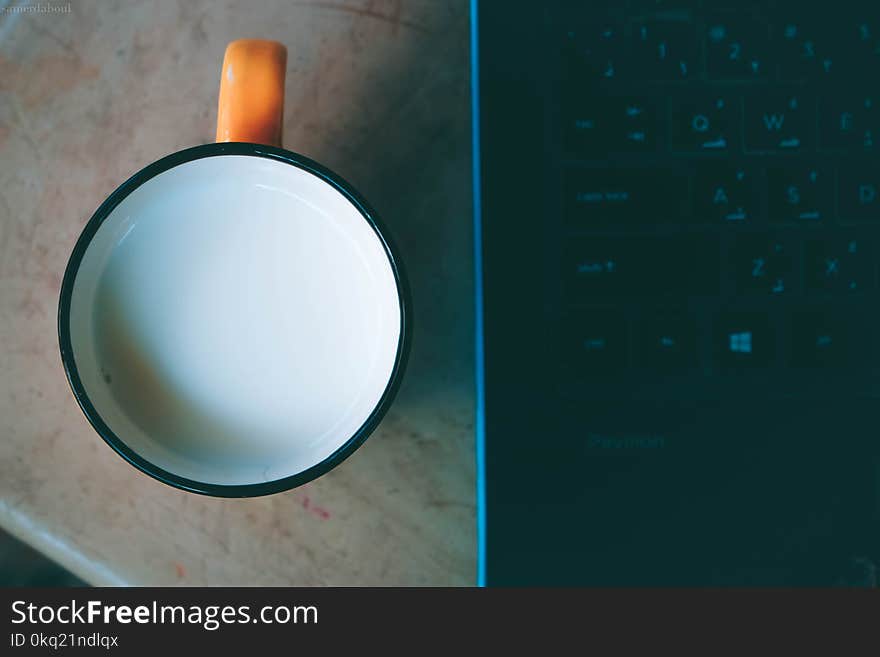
{"points": [[824, 339], [706, 124], [858, 188], [743, 340], [587, 133], [779, 122], [626, 197], [762, 264], [861, 36], [849, 122], [839, 264], [597, 52], [604, 267], [736, 47], [805, 49], [667, 341], [725, 194], [596, 342], [630, 266], [599, 127], [665, 50], [800, 194]]}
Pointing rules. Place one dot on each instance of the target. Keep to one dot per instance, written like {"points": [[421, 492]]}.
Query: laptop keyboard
{"points": [[720, 189]]}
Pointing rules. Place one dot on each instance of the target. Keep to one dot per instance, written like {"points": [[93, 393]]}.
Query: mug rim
{"points": [[66, 346]]}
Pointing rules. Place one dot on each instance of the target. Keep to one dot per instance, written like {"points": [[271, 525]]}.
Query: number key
{"points": [[862, 39], [736, 47], [665, 50], [804, 50]]}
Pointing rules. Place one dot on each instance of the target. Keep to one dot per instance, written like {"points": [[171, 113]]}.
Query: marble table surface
{"points": [[376, 90]]}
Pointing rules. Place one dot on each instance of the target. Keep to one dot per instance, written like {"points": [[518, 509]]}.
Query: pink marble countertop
{"points": [[377, 91]]}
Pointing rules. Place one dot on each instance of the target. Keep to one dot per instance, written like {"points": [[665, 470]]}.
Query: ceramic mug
{"points": [[234, 319]]}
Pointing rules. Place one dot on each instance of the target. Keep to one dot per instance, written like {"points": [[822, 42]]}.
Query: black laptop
{"points": [[677, 245]]}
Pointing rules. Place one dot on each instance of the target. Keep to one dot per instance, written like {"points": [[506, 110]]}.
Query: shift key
{"points": [[619, 198], [602, 267]]}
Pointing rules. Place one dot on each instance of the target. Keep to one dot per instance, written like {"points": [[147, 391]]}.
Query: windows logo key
{"points": [[743, 341], [740, 342]]}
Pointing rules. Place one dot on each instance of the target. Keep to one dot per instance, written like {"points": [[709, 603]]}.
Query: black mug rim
{"points": [[85, 239]]}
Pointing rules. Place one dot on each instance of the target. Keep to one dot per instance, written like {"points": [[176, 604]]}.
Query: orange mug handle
{"points": [[251, 104]]}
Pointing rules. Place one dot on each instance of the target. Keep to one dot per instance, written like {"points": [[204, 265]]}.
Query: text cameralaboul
{"points": [[210, 617]]}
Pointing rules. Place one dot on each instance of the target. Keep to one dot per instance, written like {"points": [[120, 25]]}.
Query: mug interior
{"points": [[235, 320]]}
